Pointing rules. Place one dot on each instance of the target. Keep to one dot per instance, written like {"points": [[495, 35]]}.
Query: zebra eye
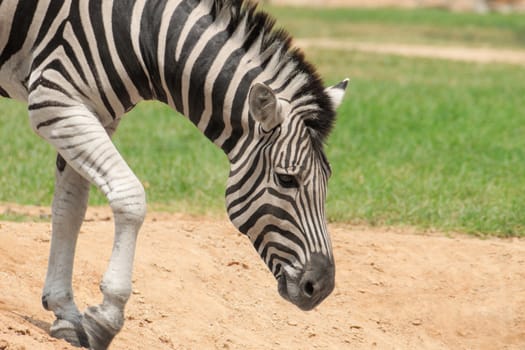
{"points": [[287, 181]]}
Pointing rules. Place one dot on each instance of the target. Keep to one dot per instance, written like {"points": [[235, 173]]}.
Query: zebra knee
{"points": [[128, 203]]}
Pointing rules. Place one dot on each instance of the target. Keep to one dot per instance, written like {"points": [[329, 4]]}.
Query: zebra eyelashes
{"points": [[264, 107], [287, 180]]}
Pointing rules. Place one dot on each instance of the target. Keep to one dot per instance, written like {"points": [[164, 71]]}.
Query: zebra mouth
{"points": [[308, 287], [289, 290], [281, 287]]}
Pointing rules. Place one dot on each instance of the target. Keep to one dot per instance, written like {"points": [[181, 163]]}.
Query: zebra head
{"points": [[276, 192]]}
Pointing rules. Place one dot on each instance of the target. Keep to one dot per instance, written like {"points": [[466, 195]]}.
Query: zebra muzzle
{"points": [[309, 287]]}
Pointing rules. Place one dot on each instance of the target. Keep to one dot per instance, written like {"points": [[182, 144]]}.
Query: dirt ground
{"points": [[198, 284], [483, 55]]}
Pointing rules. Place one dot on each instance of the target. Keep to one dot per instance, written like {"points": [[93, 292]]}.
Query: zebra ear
{"points": [[264, 107], [336, 93]]}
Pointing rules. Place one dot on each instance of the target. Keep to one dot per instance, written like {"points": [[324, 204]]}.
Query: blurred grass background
{"points": [[432, 143], [418, 26]]}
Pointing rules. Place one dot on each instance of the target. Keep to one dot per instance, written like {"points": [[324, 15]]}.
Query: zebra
{"points": [[82, 64]]}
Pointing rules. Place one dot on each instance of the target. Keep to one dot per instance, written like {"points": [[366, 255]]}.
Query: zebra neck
{"points": [[204, 56], [204, 72]]}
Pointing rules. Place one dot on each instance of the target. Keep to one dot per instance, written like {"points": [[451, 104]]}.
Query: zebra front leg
{"points": [[68, 210], [85, 145], [104, 321], [127, 200]]}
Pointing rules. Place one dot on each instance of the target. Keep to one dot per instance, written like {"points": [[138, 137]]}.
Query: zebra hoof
{"points": [[71, 332], [100, 327]]}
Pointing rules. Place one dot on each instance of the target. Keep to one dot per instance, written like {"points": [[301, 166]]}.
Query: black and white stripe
{"points": [[82, 64]]}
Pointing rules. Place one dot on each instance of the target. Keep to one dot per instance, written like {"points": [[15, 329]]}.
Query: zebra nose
{"points": [[317, 281], [309, 288]]}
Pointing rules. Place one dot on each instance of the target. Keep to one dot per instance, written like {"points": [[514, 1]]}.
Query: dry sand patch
{"points": [[199, 284]]}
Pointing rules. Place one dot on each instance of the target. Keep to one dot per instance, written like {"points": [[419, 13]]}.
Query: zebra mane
{"points": [[260, 30]]}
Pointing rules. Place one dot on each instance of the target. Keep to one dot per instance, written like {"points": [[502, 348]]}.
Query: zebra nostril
{"points": [[308, 289]]}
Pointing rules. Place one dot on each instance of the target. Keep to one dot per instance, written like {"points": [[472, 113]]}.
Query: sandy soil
{"points": [[199, 284]]}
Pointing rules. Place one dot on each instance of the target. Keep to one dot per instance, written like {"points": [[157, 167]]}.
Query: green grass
{"points": [[8, 215], [423, 26], [27, 165], [430, 143], [180, 168], [421, 142]]}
